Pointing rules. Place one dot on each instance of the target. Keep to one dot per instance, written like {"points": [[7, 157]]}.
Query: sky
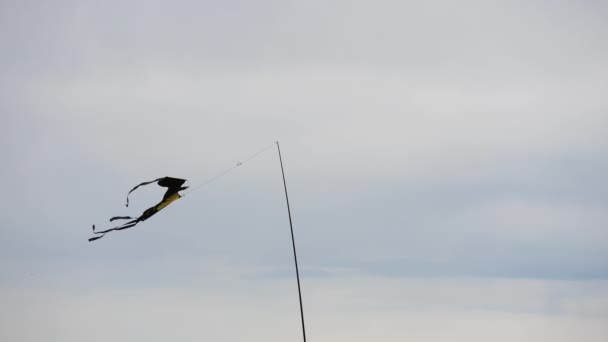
{"points": [[445, 163]]}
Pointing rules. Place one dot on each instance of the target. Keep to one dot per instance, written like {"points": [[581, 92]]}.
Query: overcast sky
{"points": [[446, 163]]}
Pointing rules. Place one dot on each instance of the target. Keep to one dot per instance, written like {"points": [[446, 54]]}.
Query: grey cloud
{"points": [[472, 37], [430, 140], [345, 308]]}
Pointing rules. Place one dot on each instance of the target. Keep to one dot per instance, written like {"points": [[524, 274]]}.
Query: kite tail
{"points": [[103, 232], [121, 218], [138, 185], [96, 238]]}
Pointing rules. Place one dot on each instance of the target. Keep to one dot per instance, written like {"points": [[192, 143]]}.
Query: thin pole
{"points": [[293, 243]]}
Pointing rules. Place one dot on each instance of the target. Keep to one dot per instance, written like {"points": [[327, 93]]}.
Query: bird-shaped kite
{"points": [[173, 185]]}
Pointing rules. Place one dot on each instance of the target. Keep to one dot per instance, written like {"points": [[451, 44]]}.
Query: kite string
{"points": [[225, 172]]}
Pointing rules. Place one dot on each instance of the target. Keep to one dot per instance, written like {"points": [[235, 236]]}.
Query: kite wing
{"points": [[173, 185]]}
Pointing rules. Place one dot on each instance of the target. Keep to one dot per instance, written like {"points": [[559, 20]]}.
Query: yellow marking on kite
{"points": [[167, 201]]}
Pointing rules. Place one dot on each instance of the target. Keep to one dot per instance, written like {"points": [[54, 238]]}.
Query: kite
{"points": [[173, 185]]}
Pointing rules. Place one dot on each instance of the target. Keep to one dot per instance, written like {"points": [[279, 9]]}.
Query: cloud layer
{"points": [[436, 142]]}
